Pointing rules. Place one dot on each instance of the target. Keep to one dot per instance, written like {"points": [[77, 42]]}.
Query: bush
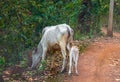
{"points": [[2, 63]]}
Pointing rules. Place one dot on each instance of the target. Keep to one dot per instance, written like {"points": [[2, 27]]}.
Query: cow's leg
{"points": [[68, 47], [63, 50], [44, 53]]}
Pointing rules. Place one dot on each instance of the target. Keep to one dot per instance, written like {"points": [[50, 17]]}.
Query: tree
{"points": [[89, 17], [110, 22], [84, 16]]}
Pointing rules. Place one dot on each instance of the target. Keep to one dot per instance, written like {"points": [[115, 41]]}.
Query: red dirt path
{"points": [[100, 62]]}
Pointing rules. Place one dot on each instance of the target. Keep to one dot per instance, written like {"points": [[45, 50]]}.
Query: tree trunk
{"points": [[110, 29], [84, 17]]}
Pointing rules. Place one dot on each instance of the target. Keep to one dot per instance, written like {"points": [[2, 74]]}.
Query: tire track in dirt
{"points": [[108, 63], [100, 62]]}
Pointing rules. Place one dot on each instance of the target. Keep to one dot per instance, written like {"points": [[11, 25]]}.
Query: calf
{"points": [[73, 58]]}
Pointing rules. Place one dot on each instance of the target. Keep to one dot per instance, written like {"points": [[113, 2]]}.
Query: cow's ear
{"points": [[35, 50]]}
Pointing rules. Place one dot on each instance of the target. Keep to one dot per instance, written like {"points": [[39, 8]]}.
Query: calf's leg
{"points": [[76, 64], [70, 64]]}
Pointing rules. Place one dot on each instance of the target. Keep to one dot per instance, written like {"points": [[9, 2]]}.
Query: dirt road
{"points": [[100, 62]]}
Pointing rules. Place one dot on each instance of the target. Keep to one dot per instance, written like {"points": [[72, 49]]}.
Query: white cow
{"points": [[60, 34]]}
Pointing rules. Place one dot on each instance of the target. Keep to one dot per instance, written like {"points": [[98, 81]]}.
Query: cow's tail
{"points": [[70, 38]]}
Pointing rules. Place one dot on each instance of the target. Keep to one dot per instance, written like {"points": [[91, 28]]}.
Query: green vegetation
{"points": [[21, 22], [42, 66]]}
